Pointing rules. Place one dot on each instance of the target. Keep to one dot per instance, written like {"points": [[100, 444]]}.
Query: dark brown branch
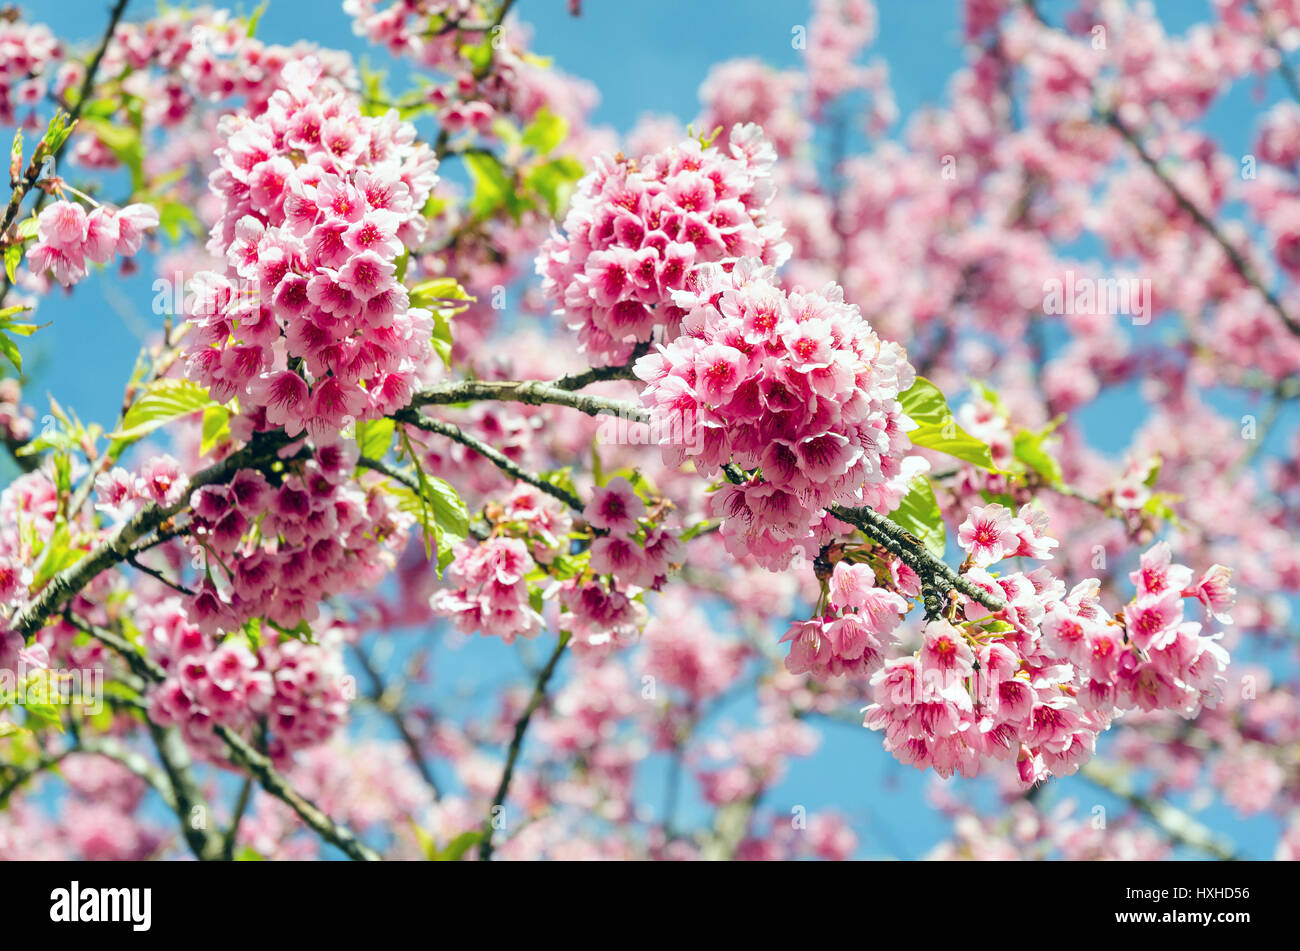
{"points": [[517, 743]]}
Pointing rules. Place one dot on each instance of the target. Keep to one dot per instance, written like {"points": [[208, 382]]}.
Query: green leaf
{"points": [[126, 145], [479, 55], [160, 403], [937, 429], [506, 131], [44, 714], [175, 215], [257, 15], [428, 845], [55, 438], [545, 132], [448, 509], [253, 632], [1160, 506], [1030, 449], [435, 293], [58, 554], [299, 632], [493, 189], [10, 351], [437, 505], [13, 255], [216, 427], [457, 847], [438, 291], [919, 514], [554, 181], [698, 528], [1153, 472], [442, 339], [374, 436], [56, 133]]}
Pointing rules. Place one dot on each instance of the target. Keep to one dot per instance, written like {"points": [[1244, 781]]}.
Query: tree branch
{"points": [[1175, 823], [118, 546], [392, 707], [241, 753], [33, 172], [517, 743], [534, 393], [491, 454]]}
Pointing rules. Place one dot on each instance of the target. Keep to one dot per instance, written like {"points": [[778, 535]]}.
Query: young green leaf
{"points": [[937, 429], [919, 514]]}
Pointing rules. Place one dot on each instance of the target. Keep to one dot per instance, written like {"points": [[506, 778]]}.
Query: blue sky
{"points": [[644, 57]]}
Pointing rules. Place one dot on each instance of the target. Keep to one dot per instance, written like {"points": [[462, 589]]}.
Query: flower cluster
{"points": [[119, 494], [446, 37], [280, 550], [633, 554], [318, 202], [1035, 683], [298, 688], [67, 237], [490, 593], [599, 615], [636, 231], [201, 55], [535, 516], [853, 637], [15, 416], [796, 384], [26, 52]]}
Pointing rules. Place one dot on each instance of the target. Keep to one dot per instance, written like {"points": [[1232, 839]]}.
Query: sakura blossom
{"points": [[887, 555]]}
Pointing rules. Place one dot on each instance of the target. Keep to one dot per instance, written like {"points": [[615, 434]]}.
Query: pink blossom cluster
{"points": [[797, 384], [851, 638], [683, 650], [487, 586], [599, 615], [96, 822], [440, 35], [181, 59], [298, 689], [488, 590], [403, 27], [30, 515], [743, 91], [753, 759], [636, 231], [27, 51], [1022, 832], [119, 494], [532, 514], [840, 30], [629, 546], [15, 416], [1054, 668], [67, 237], [276, 551], [319, 202]]}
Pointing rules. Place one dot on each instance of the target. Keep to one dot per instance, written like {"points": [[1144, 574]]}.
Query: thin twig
{"points": [[517, 743]]}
